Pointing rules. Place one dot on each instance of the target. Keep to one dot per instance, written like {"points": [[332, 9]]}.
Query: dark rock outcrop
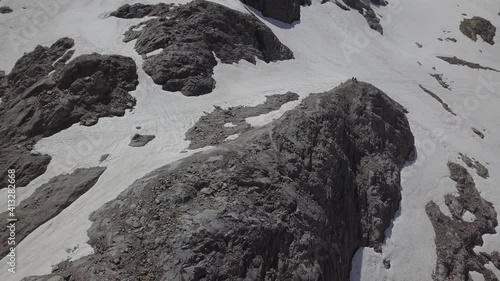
{"points": [[5, 10], [43, 95], [456, 238], [457, 61], [292, 200], [104, 157], [286, 11], [481, 170], [379, 2], [436, 97], [140, 140], [478, 26], [190, 35], [48, 201], [212, 128]]}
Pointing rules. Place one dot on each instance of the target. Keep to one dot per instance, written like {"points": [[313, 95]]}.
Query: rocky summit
{"points": [[292, 200]]}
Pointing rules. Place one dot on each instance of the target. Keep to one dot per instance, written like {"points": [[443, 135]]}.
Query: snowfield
{"points": [[330, 45]]}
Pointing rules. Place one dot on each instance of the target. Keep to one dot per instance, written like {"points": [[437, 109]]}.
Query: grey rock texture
{"points": [[379, 2], [481, 170], [455, 238], [43, 95], [439, 78], [139, 10], [286, 11], [457, 61], [104, 157], [211, 130], [292, 200], [436, 97], [140, 140], [191, 36], [5, 10], [48, 201], [478, 26], [478, 132]]}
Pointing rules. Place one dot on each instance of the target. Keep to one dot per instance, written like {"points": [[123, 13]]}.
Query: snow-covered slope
{"points": [[330, 45]]}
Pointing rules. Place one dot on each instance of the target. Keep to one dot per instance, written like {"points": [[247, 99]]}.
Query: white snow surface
{"points": [[330, 45]]}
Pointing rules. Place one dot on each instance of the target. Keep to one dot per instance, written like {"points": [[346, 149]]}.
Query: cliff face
{"points": [[289, 201]]}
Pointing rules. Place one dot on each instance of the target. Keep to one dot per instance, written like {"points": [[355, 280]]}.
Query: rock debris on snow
{"points": [[194, 36], [48, 201]]}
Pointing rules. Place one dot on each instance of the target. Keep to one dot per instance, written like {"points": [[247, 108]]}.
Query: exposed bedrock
{"points": [[363, 7], [190, 38], [5, 10], [478, 26], [48, 201], [44, 95], [286, 11], [292, 200], [456, 236], [140, 140]]}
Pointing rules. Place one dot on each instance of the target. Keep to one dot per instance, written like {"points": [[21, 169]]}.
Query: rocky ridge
{"points": [[289, 201]]}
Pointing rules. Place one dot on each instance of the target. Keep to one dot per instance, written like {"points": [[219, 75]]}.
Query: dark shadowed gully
{"points": [[192, 37], [292, 200]]}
